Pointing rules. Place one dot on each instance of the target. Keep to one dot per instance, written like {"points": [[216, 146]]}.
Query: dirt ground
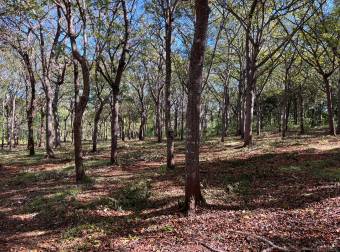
{"points": [[277, 195]]}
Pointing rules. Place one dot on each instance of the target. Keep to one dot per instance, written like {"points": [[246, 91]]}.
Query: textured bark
{"points": [[225, 111], [170, 163], [330, 111], [301, 112], [193, 196], [12, 136], [57, 137], [31, 107], [158, 122], [3, 124], [114, 127], [98, 113]]}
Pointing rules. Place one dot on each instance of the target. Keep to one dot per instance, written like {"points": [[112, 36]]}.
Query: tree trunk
{"points": [[95, 126], [329, 106], [182, 119], [11, 135], [193, 196], [114, 127], [142, 124], [31, 107], [258, 118], [285, 110], [79, 108], [301, 112], [57, 140], [3, 124], [49, 124], [338, 126], [158, 122], [170, 164]]}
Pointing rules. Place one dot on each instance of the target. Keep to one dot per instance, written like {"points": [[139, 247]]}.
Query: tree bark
{"points": [[170, 164], [329, 106], [57, 137], [193, 196], [301, 112], [114, 127], [31, 107], [3, 124], [95, 126]]}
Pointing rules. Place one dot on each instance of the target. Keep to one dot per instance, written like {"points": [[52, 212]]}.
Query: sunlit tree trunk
{"points": [[193, 196]]}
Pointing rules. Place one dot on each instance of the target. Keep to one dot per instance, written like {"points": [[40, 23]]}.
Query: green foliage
{"points": [[27, 178], [239, 185], [135, 195]]}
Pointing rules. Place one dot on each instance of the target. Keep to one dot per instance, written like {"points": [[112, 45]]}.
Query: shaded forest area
{"points": [[168, 125]]}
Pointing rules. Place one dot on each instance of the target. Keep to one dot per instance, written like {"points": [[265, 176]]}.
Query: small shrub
{"points": [[135, 194], [239, 186]]}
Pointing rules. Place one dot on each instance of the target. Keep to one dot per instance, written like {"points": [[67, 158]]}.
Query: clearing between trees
{"points": [[279, 195]]}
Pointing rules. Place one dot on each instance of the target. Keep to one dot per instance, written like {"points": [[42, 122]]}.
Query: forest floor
{"points": [[282, 193]]}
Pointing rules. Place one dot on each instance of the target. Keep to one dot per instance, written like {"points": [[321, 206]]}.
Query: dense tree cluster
{"points": [[84, 70]]}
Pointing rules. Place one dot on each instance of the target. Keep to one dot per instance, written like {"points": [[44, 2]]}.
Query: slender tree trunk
{"points": [[193, 196], [258, 118], [57, 138], [338, 126], [3, 124], [285, 110], [225, 111], [329, 106], [158, 122], [170, 164], [176, 121], [11, 138], [301, 112], [142, 124], [114, 127], [42, 119], [95, 126], [182, 121]]}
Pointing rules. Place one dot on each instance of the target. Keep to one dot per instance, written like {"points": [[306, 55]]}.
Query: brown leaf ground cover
{"points": [[279, 192]]}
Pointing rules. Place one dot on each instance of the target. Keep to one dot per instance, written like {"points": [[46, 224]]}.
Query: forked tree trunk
{"points": [[193, 196]]}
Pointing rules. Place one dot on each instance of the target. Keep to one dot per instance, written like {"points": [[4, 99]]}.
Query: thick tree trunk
{"points": [[251, 55], [329, 106], [193, 196], [114, 127], [249, 112], [79, 108], [31, 106], [170, 164]]}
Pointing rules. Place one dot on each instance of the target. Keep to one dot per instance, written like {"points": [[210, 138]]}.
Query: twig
{"points": [[273, 246], [210, 248]]}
